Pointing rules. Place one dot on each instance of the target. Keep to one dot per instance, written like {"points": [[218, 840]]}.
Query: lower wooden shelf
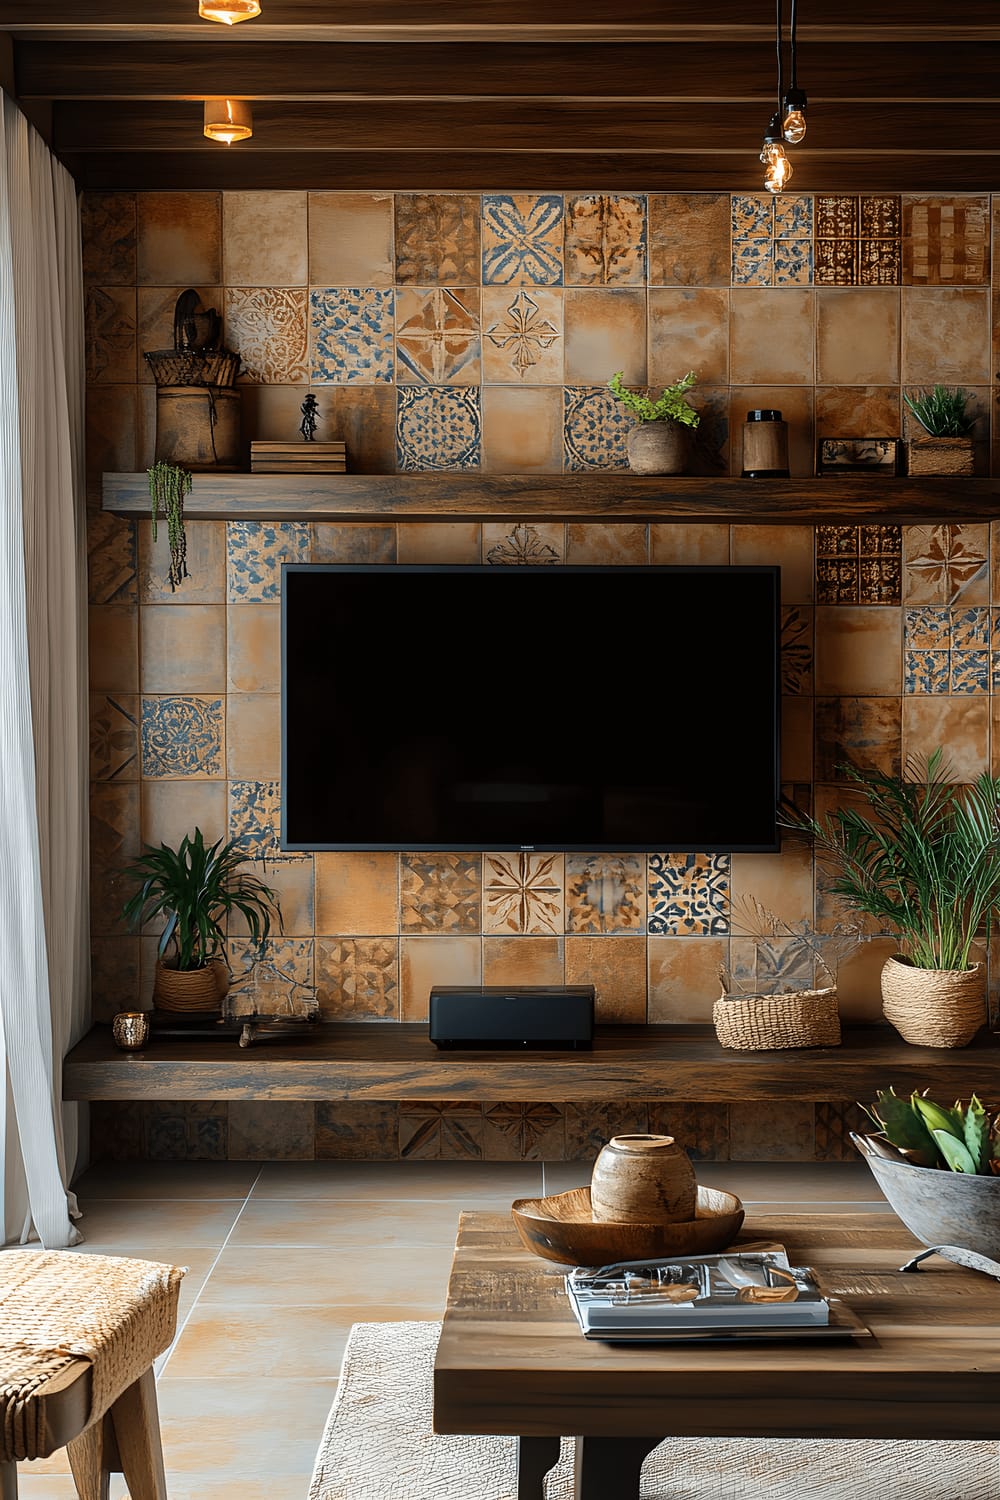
{"points": [[627, 1062]]}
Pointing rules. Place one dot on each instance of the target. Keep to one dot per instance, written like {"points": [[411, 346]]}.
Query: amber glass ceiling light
{"points": [[228, 11], [228, 120]]}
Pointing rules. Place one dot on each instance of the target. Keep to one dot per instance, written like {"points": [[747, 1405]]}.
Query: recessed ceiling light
{"points": [[228, 120], [228, 11]]}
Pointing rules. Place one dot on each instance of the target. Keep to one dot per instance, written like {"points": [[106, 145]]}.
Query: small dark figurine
{"points": [[309, 409]]}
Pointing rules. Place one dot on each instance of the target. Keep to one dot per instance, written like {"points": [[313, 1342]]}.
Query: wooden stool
{"points": [[78, 1337]]}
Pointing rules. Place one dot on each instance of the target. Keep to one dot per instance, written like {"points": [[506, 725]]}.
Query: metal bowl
{"points": [[939, 1207]]}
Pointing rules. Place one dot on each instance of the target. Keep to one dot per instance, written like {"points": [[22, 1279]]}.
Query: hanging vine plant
{"points": [[168, 485]]}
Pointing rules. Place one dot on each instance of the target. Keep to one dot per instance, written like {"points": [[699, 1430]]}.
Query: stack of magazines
{"points": [[749, 1293]]}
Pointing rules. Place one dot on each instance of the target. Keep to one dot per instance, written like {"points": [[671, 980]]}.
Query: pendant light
{"points": [[228, 11], [777, 167], [228, 120], [793, 101]]}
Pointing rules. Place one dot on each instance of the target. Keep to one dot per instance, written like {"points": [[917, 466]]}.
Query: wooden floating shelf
{"points": [[607, 495], [399, 1062]]}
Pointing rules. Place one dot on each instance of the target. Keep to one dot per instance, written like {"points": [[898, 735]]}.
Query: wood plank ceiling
{"points": [[509, 94]]}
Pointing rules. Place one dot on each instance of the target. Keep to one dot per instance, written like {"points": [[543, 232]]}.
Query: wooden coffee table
{"points": [[511, 1357]]}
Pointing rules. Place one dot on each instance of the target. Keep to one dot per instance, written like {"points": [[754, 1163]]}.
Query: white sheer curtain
{"points": [[44, 986]]}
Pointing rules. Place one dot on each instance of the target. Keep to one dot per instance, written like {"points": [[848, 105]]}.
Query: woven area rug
{"points": [[378, 1445]]}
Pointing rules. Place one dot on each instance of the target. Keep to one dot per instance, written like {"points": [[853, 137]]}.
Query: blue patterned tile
{"points": [[793, 263], [752, 216], [522, 239], [437, 335], [793, 217], [926, 628], [352, 335], [970, 629], [688, 894], [182, 737], [753, 261], [595, 429], [970, 671], [255, 551], [273, 980], [926, 671], [255, 817], [438, 427]]}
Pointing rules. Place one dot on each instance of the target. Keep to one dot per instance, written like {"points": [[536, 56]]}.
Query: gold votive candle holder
{"points": [[130, 1029]]}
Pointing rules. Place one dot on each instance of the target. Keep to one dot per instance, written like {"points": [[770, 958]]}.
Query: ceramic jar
{"points": [[643, 1179]]}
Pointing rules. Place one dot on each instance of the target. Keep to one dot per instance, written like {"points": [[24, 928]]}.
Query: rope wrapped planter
{"points": [[934, 1007], [764, 1023]]}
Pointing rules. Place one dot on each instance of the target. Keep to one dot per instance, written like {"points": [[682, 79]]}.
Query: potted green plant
{"points": [[945, 446], [922, 859], [658, 443], [195, 889]]}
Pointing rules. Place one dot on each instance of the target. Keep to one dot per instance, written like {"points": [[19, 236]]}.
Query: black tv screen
{"points": [[530, 707]]}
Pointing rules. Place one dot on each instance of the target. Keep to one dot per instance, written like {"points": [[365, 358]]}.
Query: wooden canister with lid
{"points": [[765, 445]]}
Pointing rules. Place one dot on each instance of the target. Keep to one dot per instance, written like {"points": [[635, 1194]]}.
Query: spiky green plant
{"points": [[941, 411], [923, 859], [671, 405], [963, 1138], [196, 888]]}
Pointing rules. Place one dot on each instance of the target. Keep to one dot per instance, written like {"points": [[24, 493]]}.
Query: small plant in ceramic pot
{"points": [[658, 443]]}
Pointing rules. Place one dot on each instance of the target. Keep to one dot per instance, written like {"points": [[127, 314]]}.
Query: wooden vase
{"points": [[934, 1007], [657, 448], [643, 1179]]}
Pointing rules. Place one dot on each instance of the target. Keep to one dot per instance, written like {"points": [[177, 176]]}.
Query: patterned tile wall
{"points": [[467, 332]]}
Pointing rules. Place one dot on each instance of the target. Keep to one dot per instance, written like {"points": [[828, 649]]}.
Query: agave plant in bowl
{"points": [[939, 1169]]}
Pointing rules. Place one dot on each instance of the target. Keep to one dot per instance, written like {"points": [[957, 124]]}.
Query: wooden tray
{"points": [[563, 1228]]}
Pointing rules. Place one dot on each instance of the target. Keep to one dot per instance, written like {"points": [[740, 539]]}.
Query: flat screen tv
{"points": [[530, 707]]}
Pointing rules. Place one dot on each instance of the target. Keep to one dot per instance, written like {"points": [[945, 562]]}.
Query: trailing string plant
{"points": [[788, 957], [964, 1138], [168, 485], [671, 405], [941, 411]]}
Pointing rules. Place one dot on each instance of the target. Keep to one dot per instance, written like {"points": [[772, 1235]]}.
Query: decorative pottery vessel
{"points": [[643, 1179], [934, 1007], [657, 448], [130, 1029], [938, 1206]]}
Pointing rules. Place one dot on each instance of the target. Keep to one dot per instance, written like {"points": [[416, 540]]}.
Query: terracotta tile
{"points": [[616, 966], [437, 335], [110, 429], [606, 240], [253, 738], [789, 546], [771, 335], [524, 960], [945, 335], [946, 564], [523, 1132], [267, 327], [523, 893], [684, 979], [183, 648], [440, 893], [961, 724], [687, 894], [441, 1132], [270, 1130], [264, 239], [702, 1129], [155, 320], [862, 730], [114, 648], [114, 737], [671, 543], [357, 893], [522, 339], [795, 402], [591, 1125], [253, 648], [352, 542], [114, 976], [424, 961], [114, 842], [522, 239], [206, 564], [171, 809], [797, 738], [544, 544], [605, 332], [350, 239], [365, 417], [438, 542], [618, 543], [689, 239], [437, 239], [357, 979], [771, 1131], [183, 736], [857, 411], [178, 238], [108, 235], [522, 430], [858, 650], [111, 559], [356, 1130], [859, 997], [688, 330], [780, 882], [946, 241], [709, 452], [857, 336], [293, 880], [273, 413], [110, 333]]}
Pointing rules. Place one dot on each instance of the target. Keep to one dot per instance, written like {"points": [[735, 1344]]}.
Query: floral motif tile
{"points": [[187, 1130], [523, 1132], [255, 551], [437, 335], [437, 239], [351, 330], [523, 893], [182, 736], [797, 624], [777, 964], [793, 217], [267, 327], [441, 1132], [523, 336], [595, 429], [522, 239], [440, 893], [524, 544], [604, 893], [688, 894], [946, 564], [753, 262], [357, 979], [357, 1130], [703, 1128], [752, 216], [946, 241], [438, 427], [255, 817], [606, 240], [114, 737], [112, 559], [110, 322], [274, 980]]}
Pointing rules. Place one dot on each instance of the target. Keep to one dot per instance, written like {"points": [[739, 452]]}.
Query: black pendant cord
{"points": [[792, 81], [777, 34]]}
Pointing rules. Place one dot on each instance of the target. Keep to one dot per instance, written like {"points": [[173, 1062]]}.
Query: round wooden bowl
{"points": [[563, 1228]]}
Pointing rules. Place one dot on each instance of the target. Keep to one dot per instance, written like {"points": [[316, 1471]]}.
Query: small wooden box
{"points": [[298, 458], [937, 455], [854, 455]]}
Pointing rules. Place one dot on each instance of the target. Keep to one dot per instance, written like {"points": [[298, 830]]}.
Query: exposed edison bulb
{"points": [[228, 11], [228, 120], [777, 167], [793, 109]]}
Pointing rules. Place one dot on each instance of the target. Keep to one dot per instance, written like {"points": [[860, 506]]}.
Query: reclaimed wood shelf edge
{"points": [[606, 495]]}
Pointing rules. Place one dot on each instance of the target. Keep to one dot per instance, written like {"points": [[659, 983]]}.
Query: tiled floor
{"points": [[283, 1258]]}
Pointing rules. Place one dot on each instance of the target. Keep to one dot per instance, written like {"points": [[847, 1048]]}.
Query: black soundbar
{"points": [[517, 1015]]}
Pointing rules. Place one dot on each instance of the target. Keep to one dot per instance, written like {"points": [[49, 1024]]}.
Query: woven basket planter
{"points": [[764, 1023], [934, 1007], [191, 989]]}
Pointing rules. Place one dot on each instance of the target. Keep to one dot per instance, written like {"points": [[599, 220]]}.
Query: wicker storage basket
{"points": [[762, 1023], [193, 366]]}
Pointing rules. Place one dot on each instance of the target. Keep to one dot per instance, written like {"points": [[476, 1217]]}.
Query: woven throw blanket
{"points": [[57, 1306], [379, 1445]]}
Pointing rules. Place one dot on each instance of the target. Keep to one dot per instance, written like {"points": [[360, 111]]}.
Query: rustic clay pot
{"points": [[934, 1007], [938, 1206], [643, 1179], [657, 448]]}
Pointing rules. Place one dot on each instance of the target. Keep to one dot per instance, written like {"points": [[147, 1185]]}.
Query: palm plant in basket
{"points": [[195, 889], [922, 859]]}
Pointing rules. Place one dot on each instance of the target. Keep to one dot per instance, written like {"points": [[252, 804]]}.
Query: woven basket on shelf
{"points": [[934, 1007], [762, 1023], [193, 366], [190, 989]]}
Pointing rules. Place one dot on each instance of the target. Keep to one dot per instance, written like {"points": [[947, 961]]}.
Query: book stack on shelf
{"points": [[298, 458]]}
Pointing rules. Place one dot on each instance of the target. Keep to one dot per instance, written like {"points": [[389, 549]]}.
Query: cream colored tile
{"points": [[171, 809], [168, 1179], [264, 239], [438, 542], [350, 239], [468, 1183], [771, 335], [206, 1426], [256, 1340], [333, 1275], [345, 1225], [674, 544], [118, 1226], [195, 1485], [183, 648], [253, 736]]}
